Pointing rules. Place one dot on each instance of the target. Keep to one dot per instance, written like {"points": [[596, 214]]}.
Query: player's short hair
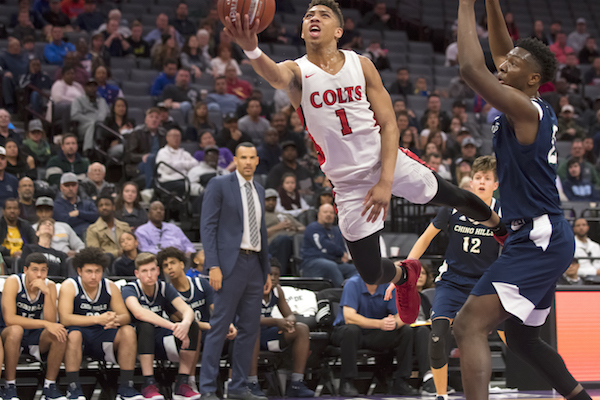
{"points": [[144, 259], [542, 55], [171, 251], [484, 164], [333, 5], [91, 255], [37, 258]]}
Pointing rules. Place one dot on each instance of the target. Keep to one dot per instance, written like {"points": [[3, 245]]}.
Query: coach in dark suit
{"points": [[234, 235]]}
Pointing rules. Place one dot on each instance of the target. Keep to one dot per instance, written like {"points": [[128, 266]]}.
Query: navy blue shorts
{"points": [[451, 292], [524, 277], [97, 342], [30, 343], [272, 339]]}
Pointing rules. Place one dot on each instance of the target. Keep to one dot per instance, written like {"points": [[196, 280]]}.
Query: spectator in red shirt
{"points": [[72, 8], [560, 48], [239, 87]]}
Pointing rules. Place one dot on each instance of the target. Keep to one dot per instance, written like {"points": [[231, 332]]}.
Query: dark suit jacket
{"points": [[222, 224]]}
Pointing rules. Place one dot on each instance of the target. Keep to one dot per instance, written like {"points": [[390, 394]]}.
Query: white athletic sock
{"points": [[13, 382], [445, 396], [47, 383]]}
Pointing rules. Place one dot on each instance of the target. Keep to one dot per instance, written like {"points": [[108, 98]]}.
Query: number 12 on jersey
{"points": [[471, 245], [341, 113]]}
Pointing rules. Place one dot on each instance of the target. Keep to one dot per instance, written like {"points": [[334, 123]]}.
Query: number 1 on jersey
{"points": [[341, 113]]}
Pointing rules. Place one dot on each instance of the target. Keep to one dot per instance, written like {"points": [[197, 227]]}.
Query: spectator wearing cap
{"points": [[6, 132], [70, 208], [207, 139], [221, 100], [94, 185], [55, 17], [281, 228], [253, 124], [576, 39], [15, 232], [180, 95], [269, 152], [205, 170], [468, 152], [157, 234], [57, 49], [27, 208], [14, 64], [8, 183], [67, 160], [87, 110], [106, 231], [36, 145], [560, 48], [179, 160], [164, 78], [568, 128], [90, 19], [65, 239], [289, 163]]}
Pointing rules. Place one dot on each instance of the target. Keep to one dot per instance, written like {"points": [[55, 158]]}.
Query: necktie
{"points": [[251, 215]]}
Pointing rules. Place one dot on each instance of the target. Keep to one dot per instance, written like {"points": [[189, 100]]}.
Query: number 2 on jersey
{"points": [[341, 113]]}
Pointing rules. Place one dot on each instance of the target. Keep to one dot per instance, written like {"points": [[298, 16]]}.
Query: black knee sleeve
{"points": [[465, 202], [193, 336], [437, 345], [366, 255], [145, 337]]}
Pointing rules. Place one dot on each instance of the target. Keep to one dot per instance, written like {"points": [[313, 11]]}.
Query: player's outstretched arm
{"points": [[508, 100], [281, 75], [500, 40], [423, 242]]}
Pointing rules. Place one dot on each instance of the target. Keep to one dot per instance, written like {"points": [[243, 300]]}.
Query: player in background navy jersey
{"points": [[196, 292], [519, 286], [471, 250], [29, 313], [92, 308]]}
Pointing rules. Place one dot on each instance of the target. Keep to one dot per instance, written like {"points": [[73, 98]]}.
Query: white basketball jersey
{"points": [[338, 117]]}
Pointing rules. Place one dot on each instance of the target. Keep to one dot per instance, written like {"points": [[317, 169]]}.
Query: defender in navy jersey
{"points": [[149, 301], [518, 287], [29, 313], [98, 322]]}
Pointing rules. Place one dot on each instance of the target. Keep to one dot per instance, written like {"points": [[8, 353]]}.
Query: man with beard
{"points": [[26, 201]]}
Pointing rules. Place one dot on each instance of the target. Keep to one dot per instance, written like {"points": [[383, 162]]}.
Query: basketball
{"points": [[264, 10]]}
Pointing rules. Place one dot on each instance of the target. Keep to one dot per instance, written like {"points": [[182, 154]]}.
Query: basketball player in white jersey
{"points": [[349, 115]]}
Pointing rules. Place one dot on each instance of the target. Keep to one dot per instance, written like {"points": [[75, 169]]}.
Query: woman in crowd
{"points": [[110, 93], [18, 163], [223, 60], [165, 50], [200, 123], [125, 264], [408, 139], [128, 208], [64, 90], [290, 201], [36, 145], [437, 139], [191, 57], [432, 124], [118, 121]]}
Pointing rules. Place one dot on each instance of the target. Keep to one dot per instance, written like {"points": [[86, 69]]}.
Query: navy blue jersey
{"points": [[26, 306], [159, 303], [199, 298], [471, 246], [267, 306], [527, 174], [84, 305]]}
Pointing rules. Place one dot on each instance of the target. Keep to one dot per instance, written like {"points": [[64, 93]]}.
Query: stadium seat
{"points": [[120, 75], [143, 102], [125, 63], [144, 63], [136, 9], [135, 113], [135, 88], [140, 75], [420, 48]]}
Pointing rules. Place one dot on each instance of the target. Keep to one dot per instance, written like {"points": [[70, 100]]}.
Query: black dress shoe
{"points": [[209, 396], [245, 394], [402, 388], [347, 389]]}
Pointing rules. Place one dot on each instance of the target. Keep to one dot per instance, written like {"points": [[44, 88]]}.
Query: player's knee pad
{"points": [[145, 338], [437, 344], [193, 334]]}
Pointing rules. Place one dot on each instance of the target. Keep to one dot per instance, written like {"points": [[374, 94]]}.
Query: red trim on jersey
{"points": [[414, 157], [320, 155]]}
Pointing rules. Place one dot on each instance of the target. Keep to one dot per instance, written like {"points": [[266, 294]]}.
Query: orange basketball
{"points": [[264, 10]]}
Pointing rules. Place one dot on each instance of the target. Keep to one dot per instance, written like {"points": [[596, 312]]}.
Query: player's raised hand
{"points": [[241, 33], [388, 292], [376, 200]]}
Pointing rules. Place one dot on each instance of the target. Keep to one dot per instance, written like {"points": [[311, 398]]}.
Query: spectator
{"points": [[571, 71], [128, 208], [560, 48], [279, 122], [513, 29], [238, 87], [289, 163], [164, 78], [64, 90], [36, 144], [205, 170], [289, 200], [6, 132], [72, 8], [434, 160], [563, 91], [8, 183], [587, 169], [432, 126], [165, 49], [589, 51], [221, 100], [114, 41], [157, 234], [325, 197], [55, 17], [65, 239], [25, 26], [421, 87], [586, 248], [378, 55], [123, 28], [138, 46], [14, 232], [200, 124], [223, 60], [434, 105], [67, 160], [588, 146], [538, 32], [180, 95], [459, 90], [35, 16], [378, 18], [351, 38], [90, 19], [265, 108], [14, 63], [182, 23], [571, 276], [72, 59], [18, 163], [324, 250], [408, 139], [179, 159], [94, 185], [27, 209], [125, 264], [107, 91], [88, 110], [167, 122], [269, 153], [106, 231], [163, 27], [231, 136], [57, 260], [205, 45], [119, 122], [225, 156], [253, 124], [402, 85], [70, 208], [452, 50], [576, 39], [57, 49], [575, 187], [366, 321], [592, 76], [98, 53], [192, 57], [39, 79], [568, 128], [143, 144]]}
